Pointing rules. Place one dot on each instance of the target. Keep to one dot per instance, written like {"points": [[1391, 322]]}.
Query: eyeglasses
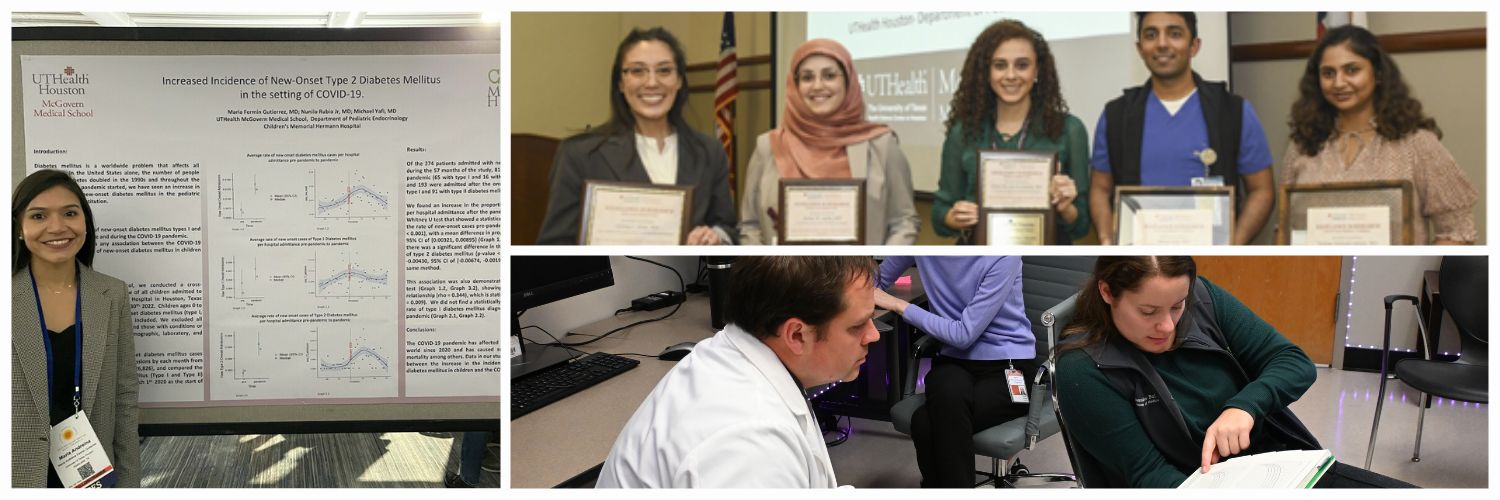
{"points": [[639, 73]]}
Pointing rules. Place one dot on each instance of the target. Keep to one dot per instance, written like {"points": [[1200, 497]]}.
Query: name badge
{"points": [[1212, 180], [1017, 383], [77, 455]]}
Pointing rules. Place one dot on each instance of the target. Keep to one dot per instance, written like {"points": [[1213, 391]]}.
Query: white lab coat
{"points": [[728, 415]]}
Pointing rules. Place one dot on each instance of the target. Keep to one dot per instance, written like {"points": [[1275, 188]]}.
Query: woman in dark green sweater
{"points": [[1009, 97], [1162, 372]]}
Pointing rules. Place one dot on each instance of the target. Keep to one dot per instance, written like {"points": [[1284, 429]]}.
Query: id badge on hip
{"points": [[1017, 383], [77, 454]]}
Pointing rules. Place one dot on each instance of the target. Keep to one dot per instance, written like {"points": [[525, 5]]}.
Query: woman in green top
{"points": [[1162, 372], [1009, 98]]}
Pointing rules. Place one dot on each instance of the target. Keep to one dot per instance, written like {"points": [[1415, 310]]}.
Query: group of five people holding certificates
{"points": [[1177, 160]]}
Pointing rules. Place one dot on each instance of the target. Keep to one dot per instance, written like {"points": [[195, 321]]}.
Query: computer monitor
{"points": [[537, 281]]}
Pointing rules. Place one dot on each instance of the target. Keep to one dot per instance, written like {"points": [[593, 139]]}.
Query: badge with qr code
{"points": [[77, 455]]}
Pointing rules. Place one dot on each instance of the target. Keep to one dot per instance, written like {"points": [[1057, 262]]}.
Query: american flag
{"points": [[1330, 20], [725, 92]]}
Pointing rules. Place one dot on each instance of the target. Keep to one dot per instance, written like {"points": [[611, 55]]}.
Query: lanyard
{"points": [[1021, 143], [77, 341], [1020, 136]]}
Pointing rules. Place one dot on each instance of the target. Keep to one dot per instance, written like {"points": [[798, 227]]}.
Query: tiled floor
{"points": [[1339, 409], [405, 459]]}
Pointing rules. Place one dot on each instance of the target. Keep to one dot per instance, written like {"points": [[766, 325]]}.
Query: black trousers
{"points": [[1342, 475], [963, 397]]}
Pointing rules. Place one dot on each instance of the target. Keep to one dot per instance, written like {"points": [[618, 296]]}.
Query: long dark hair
{"points": [[621, 120], [27, 190], [974, 102], [1397, 113], [1092, 322]]}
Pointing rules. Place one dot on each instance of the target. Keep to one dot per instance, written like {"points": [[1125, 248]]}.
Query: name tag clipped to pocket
{"points": [[77, 455], [1211, 180]]}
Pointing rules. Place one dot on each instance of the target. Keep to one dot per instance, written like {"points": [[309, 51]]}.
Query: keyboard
{"points": [[565, 379]]}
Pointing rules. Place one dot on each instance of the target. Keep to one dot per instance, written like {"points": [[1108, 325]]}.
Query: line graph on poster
{"points": [[345, 273], [349, 195], [328, 360], [347, 353]]}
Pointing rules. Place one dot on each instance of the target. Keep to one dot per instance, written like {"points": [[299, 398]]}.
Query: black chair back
{"points": [[1463, 282], [1089, 471], [1045, 282]]}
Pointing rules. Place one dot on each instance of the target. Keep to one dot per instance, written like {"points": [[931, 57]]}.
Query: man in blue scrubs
{"points": [[1179, 130]]}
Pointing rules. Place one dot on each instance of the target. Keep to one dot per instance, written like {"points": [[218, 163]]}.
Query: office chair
{"points": [[1463, 282], [1045, 282], [1088, 471]]}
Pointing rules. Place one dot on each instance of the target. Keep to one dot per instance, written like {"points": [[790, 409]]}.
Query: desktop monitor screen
{"points": [[537, 281]]}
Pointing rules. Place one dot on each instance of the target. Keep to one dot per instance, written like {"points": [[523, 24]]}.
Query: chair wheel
{"points": [[1416, 459]]}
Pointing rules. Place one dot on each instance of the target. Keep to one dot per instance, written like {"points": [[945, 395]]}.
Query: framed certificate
{"points": [[1015, 180], [1346, 213], [1161, 215], [620, 213], [1014, 227], [821, 212]]}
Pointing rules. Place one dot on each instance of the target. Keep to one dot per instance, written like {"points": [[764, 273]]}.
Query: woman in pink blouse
{"points": [[1357, 121]]}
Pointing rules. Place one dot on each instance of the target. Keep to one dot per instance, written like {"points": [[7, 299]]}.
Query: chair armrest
{"points": [[1385, 342], [1055, 319], [1041, 399], [926, 346]]}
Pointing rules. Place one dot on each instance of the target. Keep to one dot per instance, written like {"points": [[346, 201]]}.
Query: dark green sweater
{"points": [[959, 176], [1104, 423]]}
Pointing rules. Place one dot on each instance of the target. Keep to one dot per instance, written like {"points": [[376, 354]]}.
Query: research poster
{"points": [[293, 229]]}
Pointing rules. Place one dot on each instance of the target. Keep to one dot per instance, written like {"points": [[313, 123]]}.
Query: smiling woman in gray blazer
{"points": [[645, 141], [50, 279]]}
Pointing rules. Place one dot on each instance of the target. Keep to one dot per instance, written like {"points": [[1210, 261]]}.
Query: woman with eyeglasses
{"points": [[73, 372], [647, 141], [824, 135]]}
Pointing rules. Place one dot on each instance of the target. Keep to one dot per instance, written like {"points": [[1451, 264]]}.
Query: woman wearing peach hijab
{"points": [[824, 135]]}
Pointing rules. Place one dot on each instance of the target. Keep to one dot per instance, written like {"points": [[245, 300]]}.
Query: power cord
{"points": [[681, 285], [555, 342], [844, 431], [636, 354], [702, 274]]}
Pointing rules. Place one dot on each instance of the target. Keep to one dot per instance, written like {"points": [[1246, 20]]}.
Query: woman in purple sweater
{"points": [[977, 312]]}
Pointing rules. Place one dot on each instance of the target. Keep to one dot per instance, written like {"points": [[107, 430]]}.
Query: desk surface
{"points": [[561, 440]]}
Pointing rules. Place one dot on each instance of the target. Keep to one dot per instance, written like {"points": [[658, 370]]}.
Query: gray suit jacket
{"points": [[701, 163], [109, 379], [890, 210]]}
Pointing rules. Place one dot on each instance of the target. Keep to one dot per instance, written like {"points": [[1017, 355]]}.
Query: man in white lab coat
{"points": [[734, 412]]}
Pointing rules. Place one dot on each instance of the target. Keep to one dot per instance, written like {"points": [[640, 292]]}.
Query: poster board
{"points": [[308, 219]]}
